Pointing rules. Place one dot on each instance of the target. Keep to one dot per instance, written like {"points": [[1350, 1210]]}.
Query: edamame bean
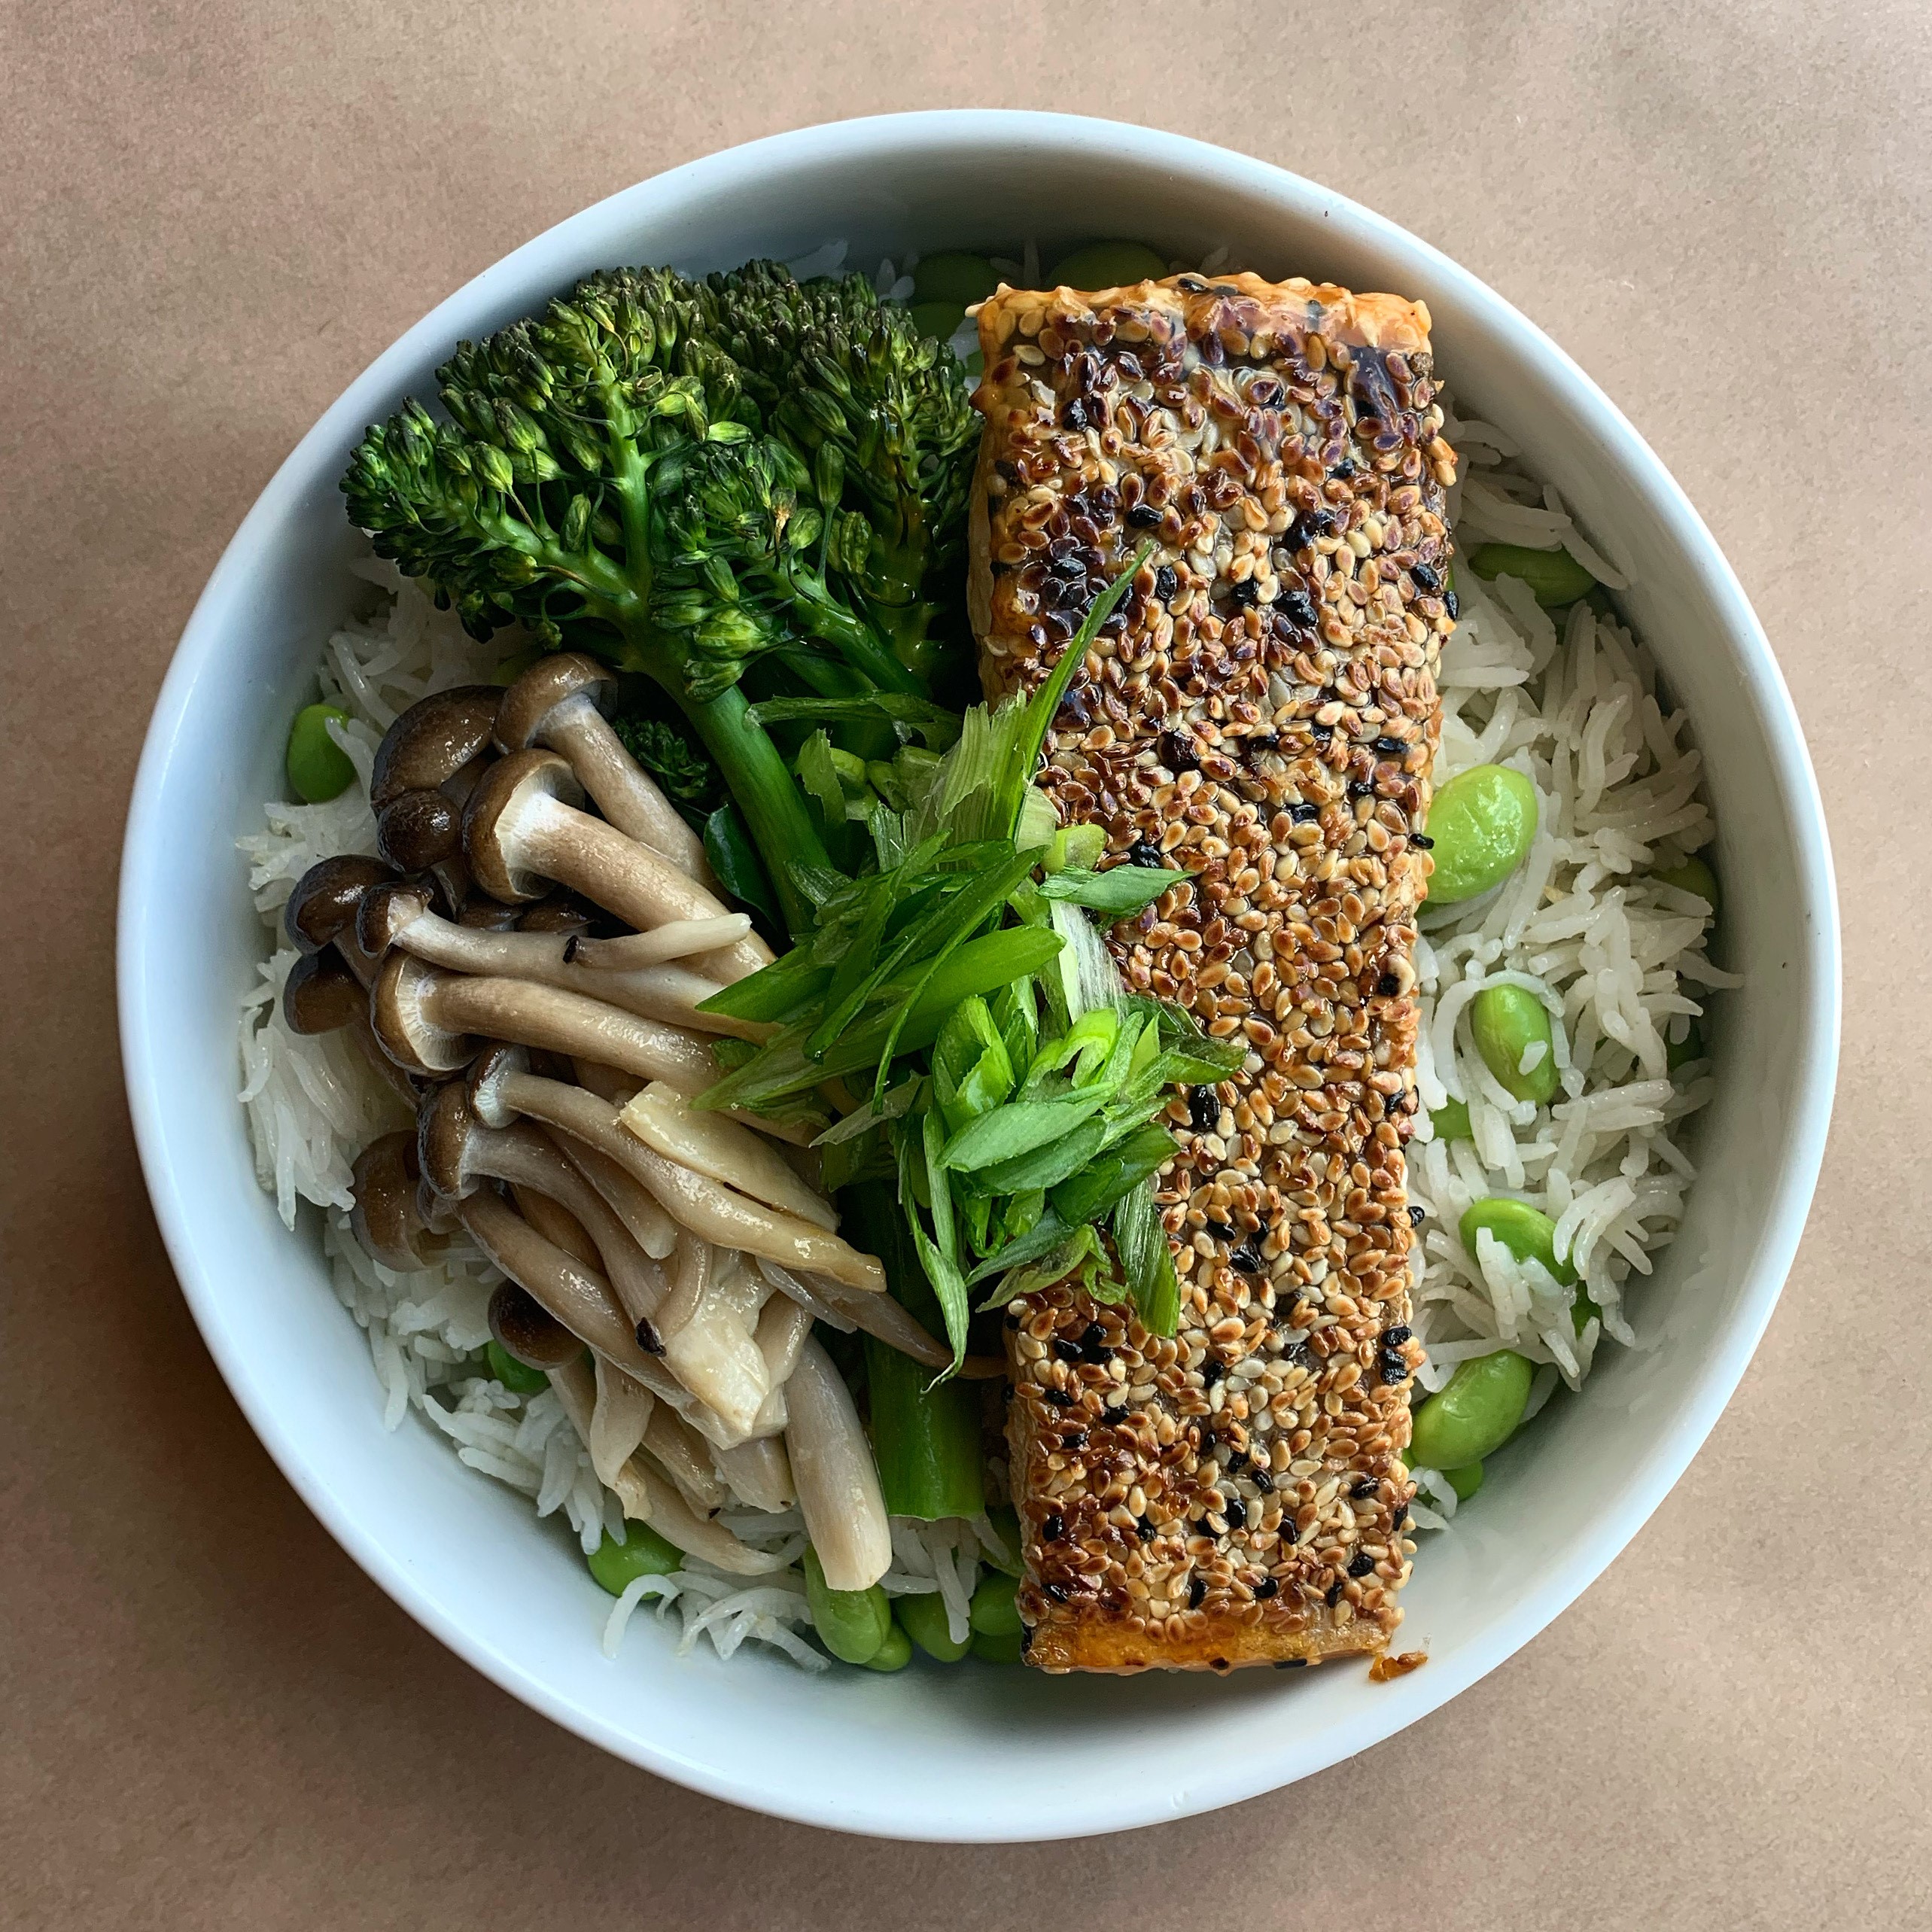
{"points": [[998, 1649], [852, 1624], [895, 1653], [1694, 877], [1474, 1412], [954, 277], [924, 1619], [1451, 1121], [1106, 264], [519, 1378], [938, 319], [996, 1610], [1465, 1481], [1508, 1023], [1555, 577], [643, 1552], [1528, 1233], [318, 768], [1481, 823]]}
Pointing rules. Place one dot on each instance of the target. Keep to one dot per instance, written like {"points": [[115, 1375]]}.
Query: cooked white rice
{"points": [[1618, 959]]}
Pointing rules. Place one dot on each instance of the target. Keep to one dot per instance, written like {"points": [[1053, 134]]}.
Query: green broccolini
{"points": [[688, 477]]}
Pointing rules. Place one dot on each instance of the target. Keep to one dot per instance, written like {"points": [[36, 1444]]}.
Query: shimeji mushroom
{"points": [[837, 1479], [321, 994], [846, 1309], [429, 1021], [706, 1342], [526, 1331], [322, 911], [619, 1419], [427, 765], [677, 939], [709, 1144], [709, 1208], [560, 702], [648, 1497], [556, 1223], [386, 1219], [579, 1298], [523, 828], [681, 1452], [400, 913], [759, 1472]]}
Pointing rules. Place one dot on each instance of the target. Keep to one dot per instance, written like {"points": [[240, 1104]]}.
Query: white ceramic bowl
{"points": [[977, 1754]]}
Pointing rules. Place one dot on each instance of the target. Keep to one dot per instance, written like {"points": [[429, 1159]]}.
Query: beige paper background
{"points": [[212, 215]]}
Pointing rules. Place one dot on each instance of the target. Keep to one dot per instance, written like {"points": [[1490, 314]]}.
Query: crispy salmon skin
{"points": [[1261, 714]]}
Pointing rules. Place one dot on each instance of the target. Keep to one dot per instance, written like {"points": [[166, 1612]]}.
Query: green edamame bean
{"points": [[895, 1653], [1695, 877], [955, 277], [937, 319], [852, 1624], [998, 1649], [1106, 264], [519, 1378], [996, 1611], [1555, 577], [1451, 1121], [643, 1552], [1465, 1481], [1529, 1234], [1507, 1023], [1474, 1412], [1482, 822], [318, 768], [1681, 1052], [923, 1619]]}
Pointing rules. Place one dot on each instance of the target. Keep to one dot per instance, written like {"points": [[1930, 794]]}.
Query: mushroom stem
{"points": [[556, 1224], [709, 1144], [425, 1018], [677, 940], [759, 1473], [880, 1315], [712, 1354], [520, 828], [618, 1420], [579, 1298], [837, 1479], [630, 1200], [679, 1451], [706, 1206]]}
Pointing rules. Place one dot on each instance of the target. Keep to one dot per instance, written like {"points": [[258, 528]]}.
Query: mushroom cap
{"points": [[385, 1218], [443, 1128], [321, 993], [388, 912], [326, 897], [487, 915], [526, 1329], [562, 912], [491, 1068], [397, 1005], [432, 740], [545, 685], [418, 829], [491, 813]]}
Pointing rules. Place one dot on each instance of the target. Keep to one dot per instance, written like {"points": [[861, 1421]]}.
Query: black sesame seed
{"points": [[1266, 1484], [1012, 1321], [1092, 1336], [1423, 577], [1208, 1440], [1400, 1516], [1289, 1534], [1196, 1590], [1142, 515], [1246, 1259], [1397, 1337], [1058, 1398], [1219, 1229], [1143, 1528], [1391, 1369], [1053, 1526], [1321, 733], [1298, 608], [1268, 1587], [1236, 1461], [1113, 1417], [1303, 814], [1331, 1596], [1140, 853], [1178, 752], [1391, 747], [1059, 1593], [1234, 1513], [1363, 1485], [1166, 582], [1203, 1109], [1418, 1214], [1245, 592], [1291, 1663], [1388, 985], [1074, 415], [1211, 1370], [1193, 286], [1361, 1563], [1361, 788], [1422, 841], [1074, 1439], [1066, 1351], [1449, 604]]}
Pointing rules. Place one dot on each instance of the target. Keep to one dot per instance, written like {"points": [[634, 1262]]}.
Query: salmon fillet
{"points": [[1261, 713]]}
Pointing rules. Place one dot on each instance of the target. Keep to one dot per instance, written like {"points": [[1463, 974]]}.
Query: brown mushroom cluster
{"points": [[524, 961]]}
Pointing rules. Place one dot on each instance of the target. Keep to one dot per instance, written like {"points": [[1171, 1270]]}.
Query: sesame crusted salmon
{"points": [[1261, 714]]}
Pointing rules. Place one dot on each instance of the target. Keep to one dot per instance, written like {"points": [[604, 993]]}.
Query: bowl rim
{"points": [[1273, 1763]]}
